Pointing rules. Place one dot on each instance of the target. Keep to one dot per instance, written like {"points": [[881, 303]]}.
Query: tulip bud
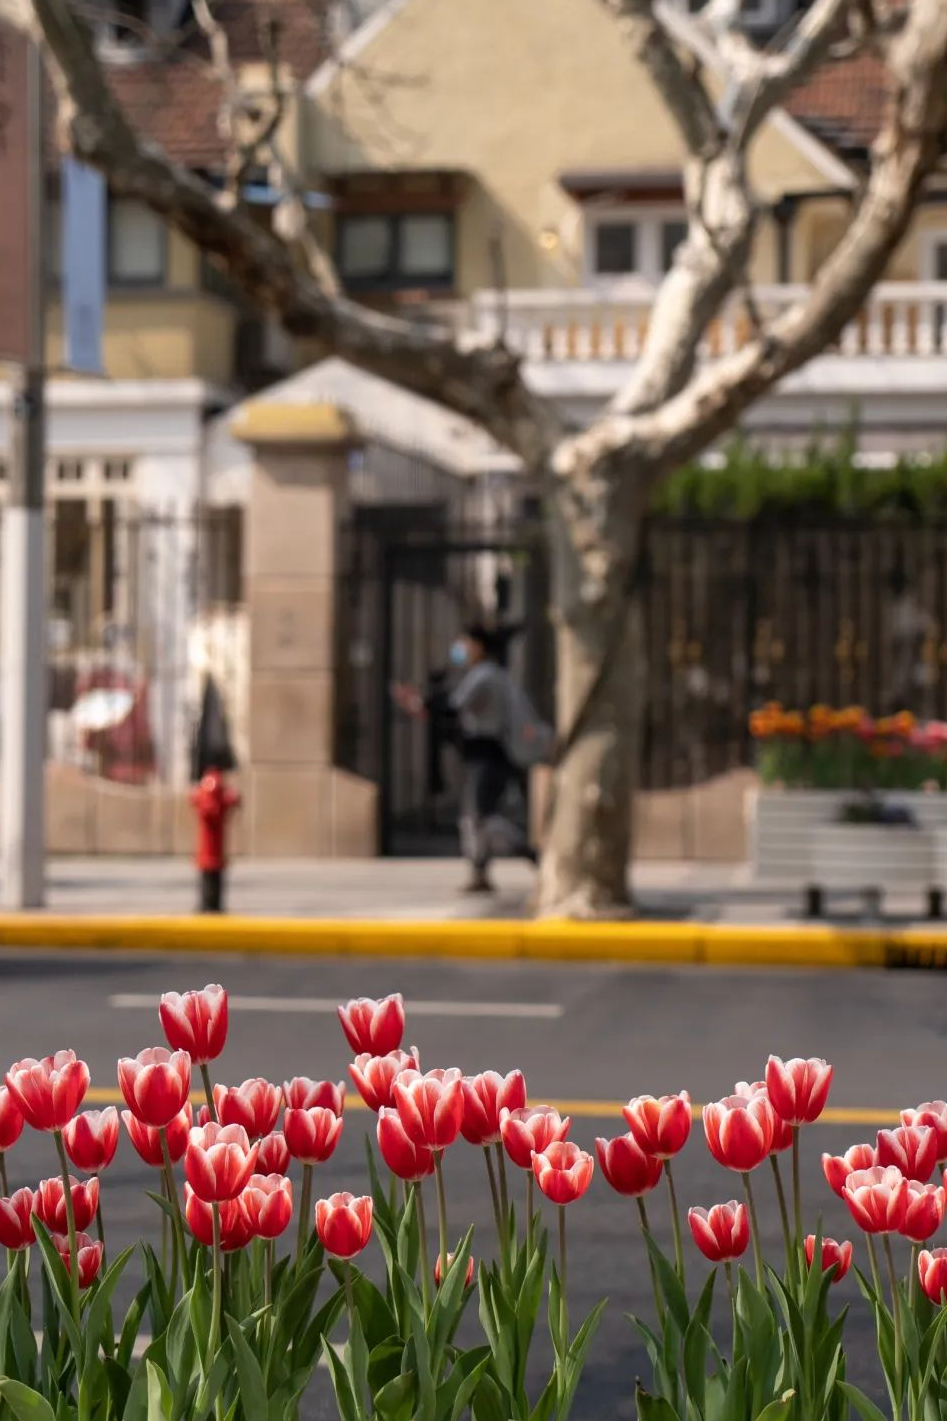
{"points": [[196, 1022], [661, 1127], [373, 1026], [484, 1097], [374, 1076], [932, 1274], [48, 1093], [268, 1201], [834, 1255], [218, 1161], [402, 1156], [925, 1211], [563, 1171], [911, 1148], [312, 1135], [798, 1089], [200, 1216], [739, 1132], [344, 1224], [721, 1232], [255, 1105], [147, 1139], [450, 1259], [274, 1155], [933, 1114], [877, 1199], [88, 1256], [782, 1133], [11, 1120], [626, 1167], [530, 1130], [301, 1093], [837, 1168], [431, 1106], [49, 1203], [156, 1084], [91, 1139], [16, 1220]]}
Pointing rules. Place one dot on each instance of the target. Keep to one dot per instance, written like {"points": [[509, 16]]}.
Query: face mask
{"points": [[458, 653]]}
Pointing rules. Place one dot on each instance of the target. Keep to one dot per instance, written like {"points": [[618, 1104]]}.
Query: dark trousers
{"points": [[212, 890]]}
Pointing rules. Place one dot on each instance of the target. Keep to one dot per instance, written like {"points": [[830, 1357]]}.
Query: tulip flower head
{"points": [[91, 1139], [877, 1199], [740, 1131], [484, 1097], [48, 1093], [530, 1130], [274, 1155], [798, 1089], [89, 1256], [932, 1274], [933, 1114], [301, 1093], [563, 1171], [49, 1203], [11, 1120], [255, 1105], [913, 1148], [156, 1084], [782, 1133], [268, 1201], [660, 1126], [373, 1026], [925, 1211], [374, 1076], [218, 1161], [147, 1139], [200, 1217], [837, 1168], [240, 1232], [344, 1224], [16, 1220], [431, 1106], [403, 1157], [834, 1255], [721, 1232], [312, 1135], [626, 1167], [196, 1022], [450, 1259]]}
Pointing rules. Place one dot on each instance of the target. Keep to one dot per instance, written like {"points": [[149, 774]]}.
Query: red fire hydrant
{"points": [[213, 800]]}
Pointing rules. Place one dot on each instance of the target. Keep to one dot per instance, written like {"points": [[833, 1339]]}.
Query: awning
{"points": [[623, 184]]}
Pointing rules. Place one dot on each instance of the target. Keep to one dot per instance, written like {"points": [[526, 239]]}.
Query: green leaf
{"points": [[26, 1404], [119, 1385], [696, 1342], [60, 1286], [734, 1402], [866, 1408], [653, 1408], [131, 1326], [422, 1361], [252, 1386], [98, 1320], [159, 1393], [341, 1384], [200, 1311], [781, 1409], [462, 1383], [546, 1404], [164, 1204], [449, 1303], [575, 1359], [488, 1401], [395, 1400], [671, 1285]]}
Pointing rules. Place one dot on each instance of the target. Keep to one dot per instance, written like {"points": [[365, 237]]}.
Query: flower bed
{"points": [[829, 749], [236, 1324]]}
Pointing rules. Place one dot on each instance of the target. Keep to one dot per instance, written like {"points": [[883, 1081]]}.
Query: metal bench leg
{"points": [[814, 904], [873, 903], [935, 903]]}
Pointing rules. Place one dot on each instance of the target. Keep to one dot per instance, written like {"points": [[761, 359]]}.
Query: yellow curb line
{"points": [[669, 943], [585, 1109]]}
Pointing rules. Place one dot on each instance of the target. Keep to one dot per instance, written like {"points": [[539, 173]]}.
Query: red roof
{"points": [[843, 102]]}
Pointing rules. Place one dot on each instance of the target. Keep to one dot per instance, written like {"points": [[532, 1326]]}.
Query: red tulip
{"points": [[530, 1130], [933, 1114], [925, 1211], [484, 1097], [563, 1171], [739, 1131], [626, 1167], [374, 1076], [375, 1027], [268, 1200], [196, 1022], [303, 1094], [156, 1084], [11, 1120], [402, 1156], [312, 1135], [274, 1154], [255, 1105], [49, 1203], [932, 1273], [834, 1255], [92, 1139], [431, 1106], [721, 1232], [798, 1089], [218, 1161], [837, 1168], [782, 1133], [450, 1258], [200, 1217], [16, 1220], [912, 1148], [661, 1126], [877, 1199], [240, 1231], [344, 1224], [89, 1256], [48, 1093], [147, 1139]]}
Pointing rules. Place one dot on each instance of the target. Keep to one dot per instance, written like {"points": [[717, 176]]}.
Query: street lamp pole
{"points": [[23, 599]]}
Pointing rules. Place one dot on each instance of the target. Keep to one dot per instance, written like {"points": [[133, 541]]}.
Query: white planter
{"points": [[871, 858]]}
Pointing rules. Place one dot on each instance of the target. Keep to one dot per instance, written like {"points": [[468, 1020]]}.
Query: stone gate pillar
{"points": [[297, 802]]}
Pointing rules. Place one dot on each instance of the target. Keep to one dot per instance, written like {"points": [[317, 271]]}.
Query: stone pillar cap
{"points": [[266, 422]]}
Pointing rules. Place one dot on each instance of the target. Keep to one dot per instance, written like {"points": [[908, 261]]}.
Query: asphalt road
{"points": [[587, 1039]]}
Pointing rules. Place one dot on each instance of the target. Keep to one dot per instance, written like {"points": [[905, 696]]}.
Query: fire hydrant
{"points": [[213, 800]]}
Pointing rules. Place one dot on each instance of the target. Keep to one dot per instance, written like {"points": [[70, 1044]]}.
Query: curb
{"points": [[671, 944]]}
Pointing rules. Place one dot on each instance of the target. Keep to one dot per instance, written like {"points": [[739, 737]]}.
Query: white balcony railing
{"points": [[901, 318]]}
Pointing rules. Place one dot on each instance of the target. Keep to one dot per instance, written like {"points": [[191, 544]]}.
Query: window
{"points": [[396, 251], [136, 244], [939, 260], [672, 235], [616, 248], [641, 244]]}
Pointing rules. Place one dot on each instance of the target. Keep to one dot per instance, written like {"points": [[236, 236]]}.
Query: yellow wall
{"points": [[514, 93], [160, 335]]}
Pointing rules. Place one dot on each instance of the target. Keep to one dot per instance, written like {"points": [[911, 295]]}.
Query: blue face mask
{"points": [[458, 653]]}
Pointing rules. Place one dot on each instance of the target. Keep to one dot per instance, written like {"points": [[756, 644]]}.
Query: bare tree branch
{"points": [[681, 87]]}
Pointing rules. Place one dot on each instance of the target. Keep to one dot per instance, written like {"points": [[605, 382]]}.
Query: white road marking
{"points": [[537, 1011]]}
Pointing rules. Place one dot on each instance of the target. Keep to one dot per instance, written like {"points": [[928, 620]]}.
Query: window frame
{"points": [[928, 243], [649, 219], [133, 283], [394, 279]]}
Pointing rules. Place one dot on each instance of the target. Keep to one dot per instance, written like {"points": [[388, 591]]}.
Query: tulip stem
{"points": [[754, 1229], [70, 1227], [797, 1191], [675, 1222], [655, 1285], [896, 1311], [305, 1209], [504, 1196], [164, 1223], [179, 1261], [875, 1275], [728, 1274], [422, 1243], [268, 1246], [497, 1212], [912, 1276], [349, 1294], [563, 1306], [209, 1092], [530, 1209], [21, 1257], [4, 1181], [441, 1212], [791, 1255], [214, 1336], [100, 1230]]}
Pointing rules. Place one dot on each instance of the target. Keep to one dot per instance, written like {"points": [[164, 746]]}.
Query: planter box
{"points": [[871, 858], [782, 823]]}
